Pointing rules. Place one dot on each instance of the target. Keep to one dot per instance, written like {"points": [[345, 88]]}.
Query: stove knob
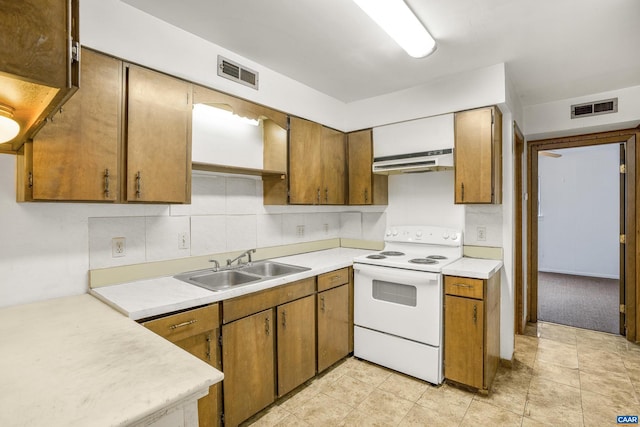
{"points": [[445, 236], [388, 233], [394, 232], [454, 237], [418, 234]]}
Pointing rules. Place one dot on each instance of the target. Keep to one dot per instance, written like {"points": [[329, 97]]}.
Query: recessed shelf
{"points": [[208, 167]]}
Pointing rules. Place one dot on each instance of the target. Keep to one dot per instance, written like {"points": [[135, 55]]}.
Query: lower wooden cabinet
{"points": [[196, 331], [472, 330], [296, 343], [248, 351], [333, 326]]}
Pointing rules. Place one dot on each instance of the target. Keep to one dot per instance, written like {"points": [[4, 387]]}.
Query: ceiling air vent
{"points": [[236, 72], [594, 108]]}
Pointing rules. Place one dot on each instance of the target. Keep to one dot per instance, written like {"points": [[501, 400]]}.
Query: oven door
{"points": [[404, 303]]}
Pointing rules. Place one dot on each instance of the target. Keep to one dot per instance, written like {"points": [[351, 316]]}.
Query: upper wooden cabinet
{"points": [[478, 156], [158, 141], [365, 188], [317, 164], [75, 157], [38, 72]]}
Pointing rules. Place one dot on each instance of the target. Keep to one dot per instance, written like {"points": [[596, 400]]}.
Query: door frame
{"points": [[632, 223], [518, 149]]}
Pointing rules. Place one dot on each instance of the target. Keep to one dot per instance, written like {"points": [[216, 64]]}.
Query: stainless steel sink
{"points": [[240, 276], [272, 269], [218, 280]]}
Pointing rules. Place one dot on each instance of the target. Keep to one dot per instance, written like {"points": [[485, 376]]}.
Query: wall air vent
{"points": [[236, 72], [596, 108]]}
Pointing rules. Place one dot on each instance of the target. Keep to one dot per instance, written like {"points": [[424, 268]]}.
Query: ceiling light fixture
{"points": [[397, 20], [9, 128]]}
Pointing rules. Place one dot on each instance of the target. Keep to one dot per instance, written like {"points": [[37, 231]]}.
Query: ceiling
{"points": [[552, 49]]}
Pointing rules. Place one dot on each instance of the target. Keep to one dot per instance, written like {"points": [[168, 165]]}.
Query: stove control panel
{"points": [[424, 234]]}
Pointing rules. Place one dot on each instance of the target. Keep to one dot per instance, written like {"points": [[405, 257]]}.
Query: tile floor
{"points": [[561, 376]]}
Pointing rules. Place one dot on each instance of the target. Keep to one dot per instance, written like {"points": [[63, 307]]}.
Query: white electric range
{"points": [[398, 296]]}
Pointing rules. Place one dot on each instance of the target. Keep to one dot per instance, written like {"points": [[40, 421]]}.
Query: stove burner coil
{"points": [[423, 261], [374, 256], [436, 257], [392, 253]]}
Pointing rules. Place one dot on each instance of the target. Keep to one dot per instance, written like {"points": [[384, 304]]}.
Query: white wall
{"points": [[121, 30], [553, 119], [579, 204]]}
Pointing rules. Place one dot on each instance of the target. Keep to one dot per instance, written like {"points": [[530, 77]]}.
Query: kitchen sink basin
{"points": [[271, 269], [218, 280], [245, 275]]}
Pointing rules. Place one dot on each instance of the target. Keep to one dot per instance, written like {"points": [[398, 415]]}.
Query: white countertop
{"points": [[476, 268], [74, 361], [153, 297]]}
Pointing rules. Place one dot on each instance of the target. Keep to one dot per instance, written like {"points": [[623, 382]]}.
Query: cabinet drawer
{"points": [[333, 279], [245, 305], [464, 287], [180, 326]]}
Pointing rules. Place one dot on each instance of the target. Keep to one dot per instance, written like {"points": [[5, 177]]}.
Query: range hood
{"points": [[421, 145], [426, 161]]}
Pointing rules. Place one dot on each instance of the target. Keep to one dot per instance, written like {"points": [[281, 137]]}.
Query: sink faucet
{"points": [[216, 264], [242, 255]]}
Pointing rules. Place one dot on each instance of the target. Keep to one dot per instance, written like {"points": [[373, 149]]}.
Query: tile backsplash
{"points": [[226, 214]]}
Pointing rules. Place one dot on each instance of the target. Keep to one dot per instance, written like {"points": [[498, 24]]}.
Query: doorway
{"points": [[628, 222], [578, 237]]}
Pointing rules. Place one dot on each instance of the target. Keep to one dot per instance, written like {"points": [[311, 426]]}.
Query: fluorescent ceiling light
{"points": [[223, 114], [9, 128], [397, 20]]}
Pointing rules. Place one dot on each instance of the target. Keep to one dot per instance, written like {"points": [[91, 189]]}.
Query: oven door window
{"points": [[395, 293]]}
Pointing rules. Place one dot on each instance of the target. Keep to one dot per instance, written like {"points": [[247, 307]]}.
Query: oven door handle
{"points": [[395, 275]]}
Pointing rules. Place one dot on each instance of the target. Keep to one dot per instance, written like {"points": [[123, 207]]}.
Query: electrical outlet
{"points": [[183, 240], [325, 229], [300, 230], [118, 247], [482, 234]]}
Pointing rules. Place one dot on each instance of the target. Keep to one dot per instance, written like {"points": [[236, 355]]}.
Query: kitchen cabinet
{"points": [[296, 343], [158, 137], [365, 187], [39, 67], [472, 330], [478, 156], [248, 347], [81, 155], [75, 157], [317, 164], [333, 318], [196, 331], [251, 353]]}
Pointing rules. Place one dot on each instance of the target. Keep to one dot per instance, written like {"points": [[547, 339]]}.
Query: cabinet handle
{"points": [[462, 185], [366, 195], [322, 303], [284, 319], [106, 183], [30, 179], [462, 285], [336, 277], [318, 195], [267, 326], [326, 195], [138, 185], [209, 346], [475, 314], [180, 325]]}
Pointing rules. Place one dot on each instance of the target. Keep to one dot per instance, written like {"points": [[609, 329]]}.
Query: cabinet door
{"points": [[75, 157], [248, 347], [474, 167], [360, 162], [333, 191], [158, 137], [305, 162], [464, 340], [296, 343], [333, 326]]}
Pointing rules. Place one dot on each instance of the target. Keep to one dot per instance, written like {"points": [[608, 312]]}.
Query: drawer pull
{"points": [[180, 325], [463, 285], [336, 277]]}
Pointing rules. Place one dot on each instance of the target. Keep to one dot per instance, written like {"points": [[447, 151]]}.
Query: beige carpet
{"points": [[583, 302]]}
